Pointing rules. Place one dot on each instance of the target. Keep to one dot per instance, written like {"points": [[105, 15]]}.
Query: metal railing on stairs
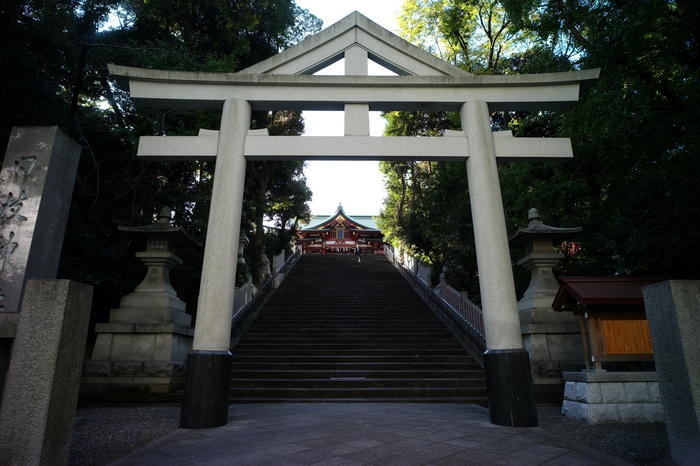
{"points": [[246, 313], [470, 313], [466, 314]]}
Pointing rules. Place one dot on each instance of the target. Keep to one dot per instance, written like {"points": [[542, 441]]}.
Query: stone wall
{"points": [[598, 397]]}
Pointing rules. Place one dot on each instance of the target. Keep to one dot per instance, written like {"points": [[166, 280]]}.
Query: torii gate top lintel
{"points": [[286, 82]]}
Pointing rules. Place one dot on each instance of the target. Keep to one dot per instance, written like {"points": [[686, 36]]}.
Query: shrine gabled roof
{"points": [[355, 30], [363, 222], [601, 291]]}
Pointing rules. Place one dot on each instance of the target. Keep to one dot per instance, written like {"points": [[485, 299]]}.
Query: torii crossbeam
{"points": [[286, 82]]}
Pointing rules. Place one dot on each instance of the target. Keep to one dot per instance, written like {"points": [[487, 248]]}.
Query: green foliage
{"points": [[634, 182], [474, 34], [276, 191], [54, 55]]}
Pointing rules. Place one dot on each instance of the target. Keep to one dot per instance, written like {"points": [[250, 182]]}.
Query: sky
{"points": [[357, 185]]}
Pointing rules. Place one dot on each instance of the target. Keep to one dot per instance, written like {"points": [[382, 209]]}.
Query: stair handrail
{"points": [[264, 288], [467, 312]]}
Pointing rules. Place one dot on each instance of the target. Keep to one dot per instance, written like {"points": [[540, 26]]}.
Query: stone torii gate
{"points": [[286, 82]]}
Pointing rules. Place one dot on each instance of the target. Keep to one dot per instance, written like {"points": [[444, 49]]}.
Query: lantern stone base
{"points": [[600, 396], [137, 362], [554, 343]]}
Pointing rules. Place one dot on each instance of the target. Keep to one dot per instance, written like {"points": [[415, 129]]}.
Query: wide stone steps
{"points": [[479, 400], [308, 374], [361, 382], [368, 393], [386, 335], [339, 358], [336, 350], [291, 340], [359, 366], [341, 331]]}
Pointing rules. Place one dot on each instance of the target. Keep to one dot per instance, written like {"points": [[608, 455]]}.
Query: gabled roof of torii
{"points": [[328, 46], [339, 215]]}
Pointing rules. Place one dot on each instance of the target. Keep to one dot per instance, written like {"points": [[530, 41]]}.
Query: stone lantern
{"points": [[144, 345], [552, 338]]}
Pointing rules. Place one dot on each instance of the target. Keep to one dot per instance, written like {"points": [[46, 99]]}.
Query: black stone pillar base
{"points": [[207, 380], [509, 385]]}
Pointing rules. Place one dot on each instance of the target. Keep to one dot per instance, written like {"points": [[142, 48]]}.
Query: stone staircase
{"points": [[341, 331]]}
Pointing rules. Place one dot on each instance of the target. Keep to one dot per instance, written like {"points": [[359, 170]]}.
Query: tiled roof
{"points": [[602, 290], [368, 221]]}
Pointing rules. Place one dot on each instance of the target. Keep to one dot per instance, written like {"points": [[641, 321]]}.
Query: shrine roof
{"points": [[601, 291], [366, 222]]}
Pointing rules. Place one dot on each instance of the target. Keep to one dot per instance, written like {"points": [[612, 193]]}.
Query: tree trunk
{"points": [[262, 177]]}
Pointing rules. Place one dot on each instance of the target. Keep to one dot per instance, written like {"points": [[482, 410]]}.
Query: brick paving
{"points": [[363, 433]]}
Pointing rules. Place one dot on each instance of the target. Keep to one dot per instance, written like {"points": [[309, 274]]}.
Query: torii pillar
{"points": [[506, 362], [205, 401]]}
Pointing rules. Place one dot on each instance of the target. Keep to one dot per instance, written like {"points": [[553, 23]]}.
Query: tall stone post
{"points": [[36, 186], [507, 364], [205, 402], [38, 409], [673, 310]]}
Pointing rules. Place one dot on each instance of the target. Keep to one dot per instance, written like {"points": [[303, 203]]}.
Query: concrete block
{"points": [[536, 345], [574, 410], [603, 412], [162, 348], [673, 310], [41, 390], [565, 347], [130, 347], [581, 392], [654, 394], [570, 391], [636, 392], [127, 369], [157, 369], [605, 376], [546, 370], [595, 393], [613, 392], [97, 368], [103, 347]]}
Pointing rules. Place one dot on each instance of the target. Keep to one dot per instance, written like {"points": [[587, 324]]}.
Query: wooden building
{"points": [[340, 233], [612, 317]]}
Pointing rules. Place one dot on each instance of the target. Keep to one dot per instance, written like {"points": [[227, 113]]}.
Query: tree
{"points": [[634, 182], [473, 34], [428, 207], [268, 183], [55, 55]]}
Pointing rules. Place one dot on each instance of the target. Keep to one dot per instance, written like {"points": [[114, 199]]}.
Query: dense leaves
{"points": [[634, 184], [54, 55]]}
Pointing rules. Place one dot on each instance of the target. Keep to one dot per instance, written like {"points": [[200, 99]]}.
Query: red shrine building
{"points": [[339, 234]]}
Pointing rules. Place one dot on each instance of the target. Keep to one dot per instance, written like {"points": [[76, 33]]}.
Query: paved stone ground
{"points": [[363, 433]]}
